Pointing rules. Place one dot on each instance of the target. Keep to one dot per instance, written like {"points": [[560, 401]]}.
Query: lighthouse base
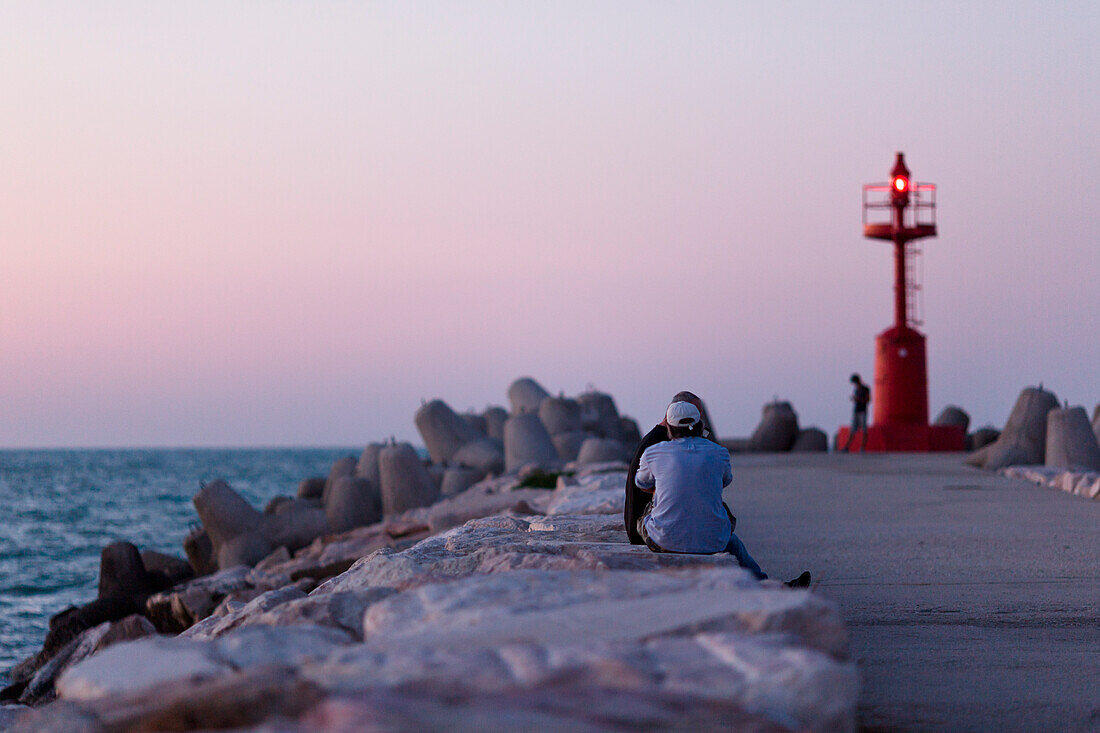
{"points": [[900, 437]]}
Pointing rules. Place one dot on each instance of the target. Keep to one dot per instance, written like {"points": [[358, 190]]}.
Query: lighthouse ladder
{"points": [[914, 276]]}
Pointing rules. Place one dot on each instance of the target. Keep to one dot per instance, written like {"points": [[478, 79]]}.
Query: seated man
{"points": [[637, 501], [687, 475]]}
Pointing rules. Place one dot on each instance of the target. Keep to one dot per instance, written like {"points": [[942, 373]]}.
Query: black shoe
{"points": [[802, 581]]}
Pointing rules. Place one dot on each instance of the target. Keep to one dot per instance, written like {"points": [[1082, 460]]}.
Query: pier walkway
{"points": [[973, 599]]}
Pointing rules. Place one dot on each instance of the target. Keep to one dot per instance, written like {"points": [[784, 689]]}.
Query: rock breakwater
{"points": [[505, 620], [492, 586]]}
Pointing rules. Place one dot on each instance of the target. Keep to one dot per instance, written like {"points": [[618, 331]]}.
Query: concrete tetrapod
{"points": [[341, 468], [122, 571], [1070, 440], [1023, 441], [560, 415], [495, 417], [953, 415], [368, 463], [631, 434], [983, 436], [777, 429], [477, 422], [525, 395], [526, 441], [811, 440], [353, 501], [600, 450], [485, 455], [443, 430], [569, 444], [406, 483], [599, 415], [233, 525]]}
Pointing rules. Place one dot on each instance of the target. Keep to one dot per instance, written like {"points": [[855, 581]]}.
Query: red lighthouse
{"points": [[902, 212]]}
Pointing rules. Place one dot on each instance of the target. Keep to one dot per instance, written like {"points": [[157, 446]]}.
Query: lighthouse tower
{"points": [[902, 212]]}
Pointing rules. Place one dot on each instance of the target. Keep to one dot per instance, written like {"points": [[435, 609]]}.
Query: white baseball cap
{"points": [[682, 415]]}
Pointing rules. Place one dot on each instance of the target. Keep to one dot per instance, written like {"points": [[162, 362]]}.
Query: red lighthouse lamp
{"points": [[902, 212]]}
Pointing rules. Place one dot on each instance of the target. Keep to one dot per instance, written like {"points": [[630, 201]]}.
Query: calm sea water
{"points": [[60, 507]]}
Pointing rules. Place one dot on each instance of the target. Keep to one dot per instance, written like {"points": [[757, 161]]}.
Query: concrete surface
{"points": [[973, 599]]}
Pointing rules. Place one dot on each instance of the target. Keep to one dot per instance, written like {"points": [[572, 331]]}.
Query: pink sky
{"points": [[279, 223]]}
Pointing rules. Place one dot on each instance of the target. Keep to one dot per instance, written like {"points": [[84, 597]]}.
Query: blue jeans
{"points": [[737, 548]]}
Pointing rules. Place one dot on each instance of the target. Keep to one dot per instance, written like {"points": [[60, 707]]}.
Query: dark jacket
{"points": [[636, 499]]}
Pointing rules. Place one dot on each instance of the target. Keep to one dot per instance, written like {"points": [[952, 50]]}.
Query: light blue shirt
{"points": [[688, 475]]}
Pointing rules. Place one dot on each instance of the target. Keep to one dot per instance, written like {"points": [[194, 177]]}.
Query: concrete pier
{"points": [[971, 597]]}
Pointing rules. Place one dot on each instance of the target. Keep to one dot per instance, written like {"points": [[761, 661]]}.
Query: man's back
{"points": [[689, 475]]}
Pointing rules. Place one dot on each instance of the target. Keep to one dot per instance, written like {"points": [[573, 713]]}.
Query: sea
{"points": [[59, 508]]}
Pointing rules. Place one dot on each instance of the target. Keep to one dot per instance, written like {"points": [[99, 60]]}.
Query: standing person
{"points": [[686, 476], [861, 396], [637, 500]]}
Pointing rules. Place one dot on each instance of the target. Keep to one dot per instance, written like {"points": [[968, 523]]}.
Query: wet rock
{"points": [[353, 501], [1023, 440], [599, 416], [777, 429], [233, 525], [312, 488], [368, 463], [568, 445], [1070, 440], [953, 415], [443, 431], [811, 440], [526, 441], [495, 417], [406, 483], [601, 450], [560, 415], [526, 395], [486, 455]]}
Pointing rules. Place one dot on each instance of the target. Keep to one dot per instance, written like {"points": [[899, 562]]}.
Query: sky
{"points": [[284, 223]]}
